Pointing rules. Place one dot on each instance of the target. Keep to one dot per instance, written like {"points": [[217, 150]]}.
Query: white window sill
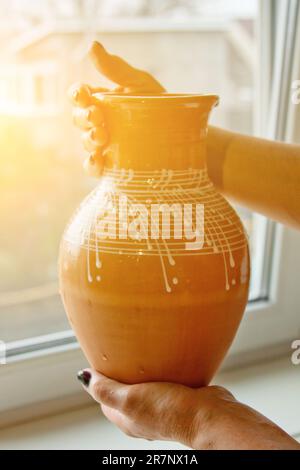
{"points": [[272, 388]]}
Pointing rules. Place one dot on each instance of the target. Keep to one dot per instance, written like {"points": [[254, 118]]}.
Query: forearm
{"points": [[259, 174]]}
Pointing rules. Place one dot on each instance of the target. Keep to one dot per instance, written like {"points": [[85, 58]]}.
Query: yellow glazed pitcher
{"points": [[154, 265]]}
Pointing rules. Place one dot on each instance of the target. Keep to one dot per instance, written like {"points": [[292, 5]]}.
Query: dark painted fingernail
{"points": [[84, 376]]}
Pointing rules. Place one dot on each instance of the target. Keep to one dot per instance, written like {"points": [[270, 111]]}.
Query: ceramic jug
{"points": [[154, 264]]}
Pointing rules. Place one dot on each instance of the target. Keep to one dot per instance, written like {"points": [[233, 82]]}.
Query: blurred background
{"points": [[198, 46]]}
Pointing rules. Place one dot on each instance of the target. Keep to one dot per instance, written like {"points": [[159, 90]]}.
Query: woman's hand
{"points": [[88, 115], [204, 418]]}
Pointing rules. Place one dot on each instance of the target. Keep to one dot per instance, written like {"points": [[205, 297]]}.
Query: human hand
{"points": [[204, 418], [87, 114]]}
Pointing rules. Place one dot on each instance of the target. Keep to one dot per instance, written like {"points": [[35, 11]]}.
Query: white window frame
{"points": [[43, 369]]}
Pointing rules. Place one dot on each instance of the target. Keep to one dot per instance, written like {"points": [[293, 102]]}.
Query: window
{"points": [[219, 48]]}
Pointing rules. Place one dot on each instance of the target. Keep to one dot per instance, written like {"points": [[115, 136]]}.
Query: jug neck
{"points": [[153, 132]]}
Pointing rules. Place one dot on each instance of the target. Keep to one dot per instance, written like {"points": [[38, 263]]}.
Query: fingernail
{"points": [[98, 136], [97, 44], [93, 165], [84, 376]]}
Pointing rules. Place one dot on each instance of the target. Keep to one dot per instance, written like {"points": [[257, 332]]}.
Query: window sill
{"points": [[271, 387]]}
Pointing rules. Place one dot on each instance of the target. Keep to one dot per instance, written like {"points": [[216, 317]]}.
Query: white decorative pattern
{"points": [[223, 235]]}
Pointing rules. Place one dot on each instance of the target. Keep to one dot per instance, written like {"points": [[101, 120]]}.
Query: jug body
{"points": [[154, 265]]}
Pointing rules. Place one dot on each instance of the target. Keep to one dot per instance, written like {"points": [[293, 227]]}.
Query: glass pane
{"points": [[190, 46]]}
